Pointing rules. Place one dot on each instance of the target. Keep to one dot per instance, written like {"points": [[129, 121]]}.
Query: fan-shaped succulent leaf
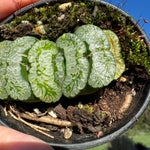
{"points": [[77, 66], [102, 70], [17, 85], [41, 73], [116, 50], [4, 50], [94, 37], [101, 59]]}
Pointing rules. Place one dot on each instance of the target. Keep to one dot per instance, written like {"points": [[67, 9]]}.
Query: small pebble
{"points": [[133, 92], [64, 6], [39, 22], [67, 133], [80, 106], [25, 22], [52, 113], [37, 111], [123, 79], [40, 30], [61, 17]]}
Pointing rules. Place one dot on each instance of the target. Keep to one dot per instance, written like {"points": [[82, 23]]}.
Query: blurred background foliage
{"points": [[143, 123]]}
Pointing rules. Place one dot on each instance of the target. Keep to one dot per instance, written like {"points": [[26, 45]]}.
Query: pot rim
{"points": [[127, 126]]}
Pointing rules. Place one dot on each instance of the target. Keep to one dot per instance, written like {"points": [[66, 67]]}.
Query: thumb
{"points": [[14, 140], [7, 7]]}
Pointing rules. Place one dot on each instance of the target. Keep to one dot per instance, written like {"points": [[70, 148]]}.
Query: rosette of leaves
{"points": [[76, 64], [103, 65], [14, 65], [41, 73]]}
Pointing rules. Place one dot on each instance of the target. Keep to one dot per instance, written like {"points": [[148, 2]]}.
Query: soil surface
{"points": [[93, 115]]}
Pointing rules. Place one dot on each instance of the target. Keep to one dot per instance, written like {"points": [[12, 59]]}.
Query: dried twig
{"points": [[5, 111], [45, 119], [34, 117], [35, 127]]}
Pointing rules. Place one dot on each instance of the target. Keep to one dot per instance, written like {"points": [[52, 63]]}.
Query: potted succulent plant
{"points": [[78, 70]]}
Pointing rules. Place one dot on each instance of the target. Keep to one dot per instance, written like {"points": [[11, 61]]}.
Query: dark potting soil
{"points": [[93, 115]]}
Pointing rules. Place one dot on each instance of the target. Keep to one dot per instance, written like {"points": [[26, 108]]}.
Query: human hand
{"points": [[14, 140], [7, 7]]}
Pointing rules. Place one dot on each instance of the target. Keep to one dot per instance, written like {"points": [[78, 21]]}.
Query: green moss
{"points": [[89, 109], [43, 10], [134, 49], [138, 54], [103, 115]]}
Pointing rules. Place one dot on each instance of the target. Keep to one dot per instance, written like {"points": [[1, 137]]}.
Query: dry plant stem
{"points": [[19, 117], [45, 119], [5, 111], [35, 127], [27, 123], [37, 115]]}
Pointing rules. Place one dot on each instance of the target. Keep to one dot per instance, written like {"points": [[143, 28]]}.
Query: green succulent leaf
{"points": [[4, 50], [59, 65], [17, 85], [103, 69], [41, 74], [3, 93], [116, 50], [94, 37], [77, 66], [102, 61]]}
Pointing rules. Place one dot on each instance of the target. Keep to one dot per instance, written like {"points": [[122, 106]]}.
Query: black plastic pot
{"points": [[88, 142]]}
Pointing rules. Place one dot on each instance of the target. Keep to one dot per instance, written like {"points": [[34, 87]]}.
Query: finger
{"points": [[7, 7], [13, 140]]}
